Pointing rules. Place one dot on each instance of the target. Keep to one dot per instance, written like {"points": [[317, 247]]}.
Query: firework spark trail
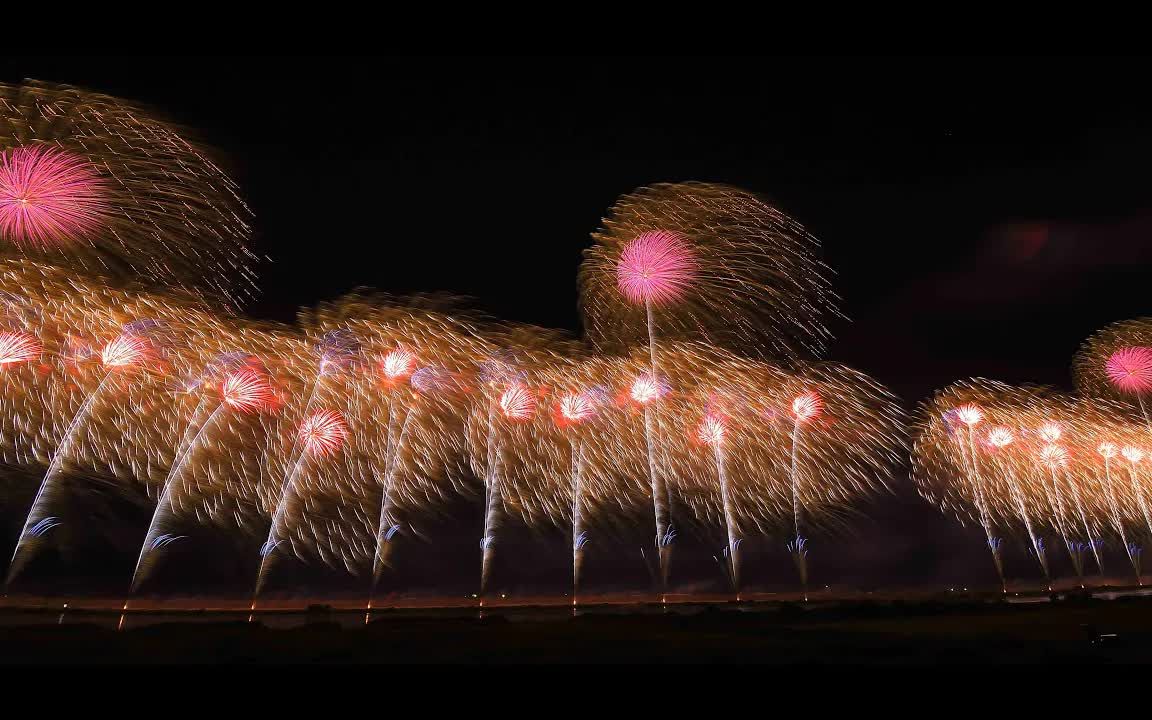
{"points": [[1078, 501], [1107, 451], [322, 433], [974, 416], [337, 351], [243, 391], [579, 538], [398, 365], [515, 403], [1052, 457], [998, 439], [711, 433], [576, 408], [185, 451], [490, 489], [386, 528], [125, 351], [1134, 456], [660, 487], [664, 534], [1037, 542], [804, 408], [43, 494]]}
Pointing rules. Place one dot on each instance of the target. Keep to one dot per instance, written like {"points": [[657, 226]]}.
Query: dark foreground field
{"points": [[1067, 631]]}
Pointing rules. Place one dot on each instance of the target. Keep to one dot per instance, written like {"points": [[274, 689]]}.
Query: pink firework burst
{"points": [[323, 432], [970, 414], [247, 391], [48, 196], [807, 406], [398, 364], [18, 347], [518, 402], [999, 437], [1130, 369], [576, 408], [1054, 456], [125, 350], [656, 267], [711, 430]]}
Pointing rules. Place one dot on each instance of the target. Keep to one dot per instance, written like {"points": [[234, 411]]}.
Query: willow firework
{"points": [[720, 264], [96, 184]]}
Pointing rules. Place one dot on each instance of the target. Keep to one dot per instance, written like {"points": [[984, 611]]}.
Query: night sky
{"points": [[983, 216]]}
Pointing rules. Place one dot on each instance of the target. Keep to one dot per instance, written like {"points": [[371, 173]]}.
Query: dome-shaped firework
{"points": [[93, 183], [1116, 363], [705, 262]]}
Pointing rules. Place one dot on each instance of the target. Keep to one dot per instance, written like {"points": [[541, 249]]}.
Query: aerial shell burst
{"points": [[719, 263], [94, 183], [1116, 363]]}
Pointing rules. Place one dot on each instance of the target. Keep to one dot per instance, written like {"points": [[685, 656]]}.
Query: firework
{"points": [[711, 433], [335, 439], [576, 407], [1046, 459], [505, 411], [244, 390], [18, 347], [1116, 363], [93, 183], [126, 351], [49, 197], [999, 438], [717, 263]]}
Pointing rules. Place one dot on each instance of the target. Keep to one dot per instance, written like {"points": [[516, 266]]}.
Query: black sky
{"points": [[984, 216]]}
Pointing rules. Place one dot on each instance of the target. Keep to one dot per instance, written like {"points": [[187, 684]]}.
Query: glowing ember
{"points": [[124, 350], [970, 414], [247, 390], [807, 406], [398, 364], [518, 403], [48, 196], [711, 430], [1130, 369], [18, 347], [323, 432], [656, 267]]}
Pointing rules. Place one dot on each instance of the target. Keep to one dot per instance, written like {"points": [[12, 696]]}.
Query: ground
{"points": [[1077, 630]]}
